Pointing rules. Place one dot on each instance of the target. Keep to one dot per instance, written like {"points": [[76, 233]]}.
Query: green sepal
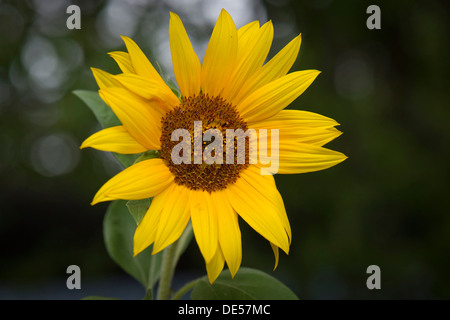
{"points": [[138, 208]]}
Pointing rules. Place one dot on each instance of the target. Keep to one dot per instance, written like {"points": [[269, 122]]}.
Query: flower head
{"points": [[231, 90]]}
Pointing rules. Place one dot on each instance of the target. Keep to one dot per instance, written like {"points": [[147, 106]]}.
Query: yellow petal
{"points": [[301, 126], [142, 180], [254, 177], [276, 95], [297, 157], [251, 55], [297, 118], [229, 232], [204, 223], [141, 64], [186, 65], [149, 89], [105, 79], [174, 217], [220, 56], [142, 122], [245, 33], [123, 61], [277, 67], [215, 266], [276, 254], [252, 204], [114, 139], [317, 137], [146, 230]]}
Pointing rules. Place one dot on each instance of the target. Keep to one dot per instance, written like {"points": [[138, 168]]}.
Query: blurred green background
{"points": [[386, 205]]}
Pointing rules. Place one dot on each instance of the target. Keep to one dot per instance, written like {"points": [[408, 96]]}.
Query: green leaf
{"points": [[106, 118], [101, 110], [138, 208], [119, 226], [248, 284], [118, 231]]}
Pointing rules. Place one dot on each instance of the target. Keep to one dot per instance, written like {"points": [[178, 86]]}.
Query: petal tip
{"points": [[126, 40], [138, 246], [99, 197], [224, 14], [233, 272], [136, 251], [95, 71], [157, 248]]}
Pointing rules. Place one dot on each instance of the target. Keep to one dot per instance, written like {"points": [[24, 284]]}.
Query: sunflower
{"points": [[232, 89]]}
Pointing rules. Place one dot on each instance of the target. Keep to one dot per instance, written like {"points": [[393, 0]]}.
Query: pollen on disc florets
{"points": [[214, 113]]}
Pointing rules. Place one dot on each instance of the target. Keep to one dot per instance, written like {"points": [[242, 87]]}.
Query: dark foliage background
{"points": [[386, 205]]}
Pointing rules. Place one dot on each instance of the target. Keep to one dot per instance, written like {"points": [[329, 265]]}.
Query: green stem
{"points": [[188, 286], [169, 262], [167, 271]]}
